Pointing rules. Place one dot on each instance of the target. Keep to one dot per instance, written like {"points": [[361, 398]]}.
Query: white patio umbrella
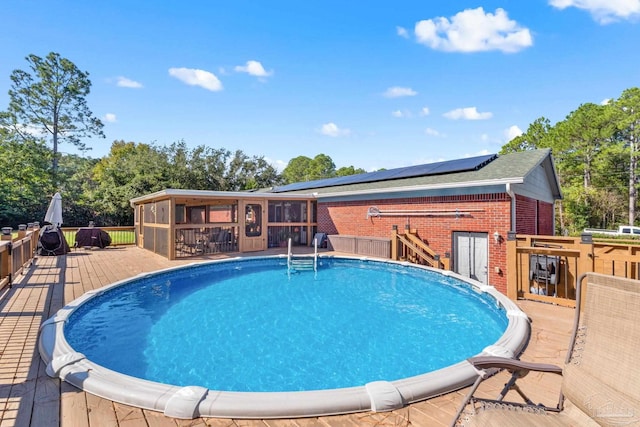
{"points": [[54, 212]]}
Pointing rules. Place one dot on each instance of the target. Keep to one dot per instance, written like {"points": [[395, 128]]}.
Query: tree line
{"points": [[596, 150]]}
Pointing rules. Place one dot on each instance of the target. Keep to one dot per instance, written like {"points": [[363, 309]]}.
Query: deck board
{"points": [[28, 397]]}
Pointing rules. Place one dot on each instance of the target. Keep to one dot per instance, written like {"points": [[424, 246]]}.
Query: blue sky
{"points": [[371, 84]]}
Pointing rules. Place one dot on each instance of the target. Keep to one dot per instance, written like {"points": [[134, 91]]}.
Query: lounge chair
{"points": [[601, 374]]}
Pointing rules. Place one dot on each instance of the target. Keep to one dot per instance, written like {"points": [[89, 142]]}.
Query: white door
{"points": [[471, 255]]}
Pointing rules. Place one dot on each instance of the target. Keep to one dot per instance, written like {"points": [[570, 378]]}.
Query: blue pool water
{"points": [[249, 326]]}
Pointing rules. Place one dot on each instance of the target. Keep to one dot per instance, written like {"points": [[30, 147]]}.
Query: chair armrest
{"points": [[511, 365]]}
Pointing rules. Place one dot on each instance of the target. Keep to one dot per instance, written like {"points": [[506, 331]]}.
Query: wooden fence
{"points": [[367, 246], [545, 268]]}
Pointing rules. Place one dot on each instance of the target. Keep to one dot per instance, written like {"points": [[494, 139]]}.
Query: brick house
{"points": [[462, 209]]}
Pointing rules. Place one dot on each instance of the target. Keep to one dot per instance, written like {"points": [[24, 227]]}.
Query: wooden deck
{"points": [[28, 397]]}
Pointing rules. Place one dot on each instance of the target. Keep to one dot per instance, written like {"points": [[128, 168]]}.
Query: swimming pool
{"points": [[383, 355]]}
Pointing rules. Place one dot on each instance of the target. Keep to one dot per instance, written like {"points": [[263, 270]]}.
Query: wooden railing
{"points": [[410, 247], [119, 235], [529, 260], [16, 253]]}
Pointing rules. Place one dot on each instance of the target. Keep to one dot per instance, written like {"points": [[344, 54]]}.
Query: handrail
{"points": [[289, 255], [315, 254], [422, 245], [16, 256], [418, 250]]}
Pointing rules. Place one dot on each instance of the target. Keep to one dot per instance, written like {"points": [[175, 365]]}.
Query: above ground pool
{"points": [[253, 338]]}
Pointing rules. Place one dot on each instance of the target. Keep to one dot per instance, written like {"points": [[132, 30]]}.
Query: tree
{"points": [[349, 170], [535, 137], [297, 170], [249, 173], [628, 107], [51, 100], [585, 133], [25, 184], [129, 170], [302, 169], [322, 167]]}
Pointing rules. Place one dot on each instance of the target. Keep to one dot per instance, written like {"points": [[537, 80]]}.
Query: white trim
{"points": [[418, 188], [170, 192]]}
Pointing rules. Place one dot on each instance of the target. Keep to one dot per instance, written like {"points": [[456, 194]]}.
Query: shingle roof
{"points": [[510, 167]]}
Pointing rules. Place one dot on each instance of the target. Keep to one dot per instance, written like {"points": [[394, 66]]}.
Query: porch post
{"points": [[513, 267]]}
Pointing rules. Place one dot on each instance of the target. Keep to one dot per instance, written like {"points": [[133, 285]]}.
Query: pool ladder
{"points": [[302, 262]]}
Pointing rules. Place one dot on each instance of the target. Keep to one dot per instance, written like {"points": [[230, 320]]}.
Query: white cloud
{"points": [[512, 132], [110, 118], [603, 11], [401, 114], [32, 130], [432, 132], [278, 164], [253, 68], [473, 30], [331, 129], [397, 92], [125, 82], [402, 32], [425, 111], [468, 113], [606, 101], [195, 77]]}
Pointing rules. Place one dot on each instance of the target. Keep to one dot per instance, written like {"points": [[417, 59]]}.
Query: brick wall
{"points": [[488, 213], [546, 224], [533, 216]]}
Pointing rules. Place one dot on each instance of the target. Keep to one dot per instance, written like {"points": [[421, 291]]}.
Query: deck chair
{"points": [[601, 374], [220, 243]]}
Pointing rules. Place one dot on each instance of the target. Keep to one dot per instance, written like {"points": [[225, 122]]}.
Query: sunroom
{"points": [[183, 223]]}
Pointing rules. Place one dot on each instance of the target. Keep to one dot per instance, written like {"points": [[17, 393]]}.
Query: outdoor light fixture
{"points": [[496, 237]]}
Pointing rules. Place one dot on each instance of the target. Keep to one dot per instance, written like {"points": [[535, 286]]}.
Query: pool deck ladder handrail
{"points": [[302, 262]]}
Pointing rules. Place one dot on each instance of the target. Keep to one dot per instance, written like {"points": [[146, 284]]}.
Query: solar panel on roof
{"points": [[438, 168]]}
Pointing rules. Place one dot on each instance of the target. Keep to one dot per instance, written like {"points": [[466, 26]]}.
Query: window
{"points": [[195, 214], [281, 211], [223, 213], [180, 214]]}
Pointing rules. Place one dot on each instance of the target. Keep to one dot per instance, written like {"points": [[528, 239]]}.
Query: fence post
{"points": [[586, 254], [22, 231], [586, 263], [6, 233], [7, 262], [394, 242], [512, 266]]}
